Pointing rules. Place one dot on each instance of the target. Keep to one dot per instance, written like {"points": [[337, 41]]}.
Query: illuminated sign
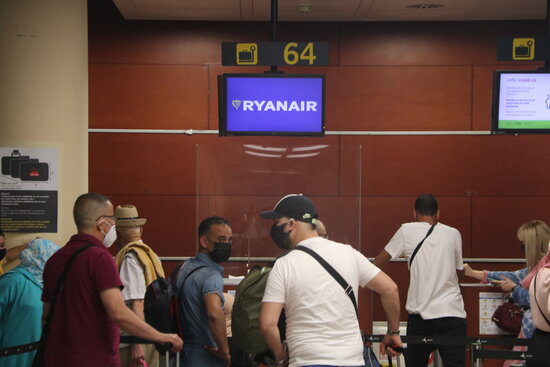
{"points": [[275, 54], [523, 49], [272, 104]]}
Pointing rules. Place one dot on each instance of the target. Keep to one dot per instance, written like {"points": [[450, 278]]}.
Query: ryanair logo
{"points": [[236, 103], [276, 106]]}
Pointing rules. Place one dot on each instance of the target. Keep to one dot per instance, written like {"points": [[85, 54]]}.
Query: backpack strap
{"points": [[187, 276], [177, 273], [347, 288], [420, 244]]}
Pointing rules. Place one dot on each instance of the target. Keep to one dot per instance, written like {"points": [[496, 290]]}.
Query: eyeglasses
{"points": [[113, 217]]}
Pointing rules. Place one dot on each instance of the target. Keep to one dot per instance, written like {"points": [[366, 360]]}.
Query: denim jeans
{"points": [[196, 355]]}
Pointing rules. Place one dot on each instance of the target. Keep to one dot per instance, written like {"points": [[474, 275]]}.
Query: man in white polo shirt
{"points": [[321, 321], [434, 301]]}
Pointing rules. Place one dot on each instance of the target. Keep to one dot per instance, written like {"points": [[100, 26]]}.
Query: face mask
{"points": [[110, 237], [221, 252], [280, 237], [3, 253]]}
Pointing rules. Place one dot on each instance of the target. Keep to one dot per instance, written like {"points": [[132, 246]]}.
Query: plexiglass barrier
{"points": [[238, 181]]}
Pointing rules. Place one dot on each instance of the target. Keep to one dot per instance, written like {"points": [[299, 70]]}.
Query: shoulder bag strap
{"points": [[38, 359], [537, 302], [347, 288], [420, 244], [61, 281]]}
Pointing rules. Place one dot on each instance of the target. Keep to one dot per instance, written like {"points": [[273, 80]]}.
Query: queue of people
{"points": [[78, 299]]}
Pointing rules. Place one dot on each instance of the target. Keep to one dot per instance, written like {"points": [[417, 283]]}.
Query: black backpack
{"points": [[162, 305]]}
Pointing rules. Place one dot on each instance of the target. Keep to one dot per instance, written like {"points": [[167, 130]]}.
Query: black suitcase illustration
{"points": [[34, 171], [6, 162], [16, 165]]}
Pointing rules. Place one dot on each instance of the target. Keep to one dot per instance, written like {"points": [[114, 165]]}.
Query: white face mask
{"points": [[110, 237]]}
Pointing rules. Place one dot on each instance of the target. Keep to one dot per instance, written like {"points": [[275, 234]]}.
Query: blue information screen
{"points": [[279, 104]]}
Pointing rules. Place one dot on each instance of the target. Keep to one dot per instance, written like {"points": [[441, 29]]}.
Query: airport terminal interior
{"points": [[127, 97]]}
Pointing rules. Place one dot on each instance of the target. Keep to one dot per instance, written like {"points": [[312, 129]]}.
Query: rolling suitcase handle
{"points": [[167, 347]]}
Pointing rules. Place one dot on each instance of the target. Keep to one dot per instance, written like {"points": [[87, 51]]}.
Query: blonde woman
{"points": [[534, 237]]}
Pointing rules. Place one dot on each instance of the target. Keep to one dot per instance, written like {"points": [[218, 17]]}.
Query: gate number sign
{"points": [[275, 54]]}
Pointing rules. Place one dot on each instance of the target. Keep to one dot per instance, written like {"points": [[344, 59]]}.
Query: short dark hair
{"points": [[206, 223], [426, 204], [87, 208], [2, 233]]}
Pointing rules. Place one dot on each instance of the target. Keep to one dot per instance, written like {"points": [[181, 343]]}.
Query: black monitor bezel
{"points": [[495, 129]]}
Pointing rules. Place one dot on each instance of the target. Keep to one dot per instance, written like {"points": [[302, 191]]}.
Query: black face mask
{"points": [[280, 237], [3, 253], [221, 251]]}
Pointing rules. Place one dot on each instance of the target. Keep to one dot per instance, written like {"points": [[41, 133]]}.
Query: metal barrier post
{"points": [[474, 361], [438, 362]]}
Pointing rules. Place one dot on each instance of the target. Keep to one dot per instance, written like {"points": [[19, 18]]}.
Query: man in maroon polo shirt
{"points": [[89, 307]]}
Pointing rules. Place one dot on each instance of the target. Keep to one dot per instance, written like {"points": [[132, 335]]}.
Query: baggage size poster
{"points": [[28, 190], [488, 303]]}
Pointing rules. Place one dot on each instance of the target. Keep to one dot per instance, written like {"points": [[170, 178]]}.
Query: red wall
{"points": [[382, 77]]}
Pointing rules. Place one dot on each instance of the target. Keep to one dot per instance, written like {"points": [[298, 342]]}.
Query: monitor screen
{"points": [[521, 102], [272, 104]]}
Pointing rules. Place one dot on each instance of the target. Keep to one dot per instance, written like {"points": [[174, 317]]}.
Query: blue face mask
{"points": [[280, 237]]}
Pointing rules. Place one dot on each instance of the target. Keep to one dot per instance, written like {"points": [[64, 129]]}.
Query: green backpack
{"points": [[245, 316]]}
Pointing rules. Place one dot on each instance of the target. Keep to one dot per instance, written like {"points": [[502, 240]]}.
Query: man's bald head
{"points": [[321, 229], [88, 208]]}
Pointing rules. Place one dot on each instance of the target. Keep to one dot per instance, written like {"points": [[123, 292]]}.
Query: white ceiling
{"points": [[333, 10]]}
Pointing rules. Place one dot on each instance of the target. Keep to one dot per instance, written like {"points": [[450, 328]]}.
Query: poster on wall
{"points": [[28, 190], [488, 303]]}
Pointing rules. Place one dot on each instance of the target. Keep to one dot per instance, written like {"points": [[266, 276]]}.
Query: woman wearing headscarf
{"points": [[20, 305]]}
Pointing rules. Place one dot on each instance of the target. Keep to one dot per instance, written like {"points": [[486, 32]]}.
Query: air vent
{"points": [[424, 6]]}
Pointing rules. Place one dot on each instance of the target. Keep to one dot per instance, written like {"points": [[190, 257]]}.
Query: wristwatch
{"points": [[393, 332]]}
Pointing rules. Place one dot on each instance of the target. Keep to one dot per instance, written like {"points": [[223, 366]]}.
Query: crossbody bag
{"points": [[347, 288], [39, 356], [420, 244], [349, 291]]}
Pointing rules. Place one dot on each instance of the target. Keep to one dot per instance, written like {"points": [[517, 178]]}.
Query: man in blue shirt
{"points": [[202, 299]]}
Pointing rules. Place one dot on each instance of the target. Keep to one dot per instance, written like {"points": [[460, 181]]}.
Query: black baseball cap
{"points": [[296, 206]]}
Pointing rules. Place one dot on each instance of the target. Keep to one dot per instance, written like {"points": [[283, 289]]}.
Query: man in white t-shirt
{"points": [[321, 321], [434, 301]]}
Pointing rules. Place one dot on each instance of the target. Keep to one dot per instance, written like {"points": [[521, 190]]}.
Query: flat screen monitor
{"points": [[521, 102], [272, 104]]}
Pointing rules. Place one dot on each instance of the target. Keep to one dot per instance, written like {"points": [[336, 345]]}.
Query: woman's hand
{"points": [[469, 272], [506, 284]]}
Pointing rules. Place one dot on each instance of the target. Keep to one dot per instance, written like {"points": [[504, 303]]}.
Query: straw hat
{"points": [[127, 216]]}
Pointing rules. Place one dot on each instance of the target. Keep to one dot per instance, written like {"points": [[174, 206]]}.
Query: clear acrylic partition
{"points": [[239, 181]]}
